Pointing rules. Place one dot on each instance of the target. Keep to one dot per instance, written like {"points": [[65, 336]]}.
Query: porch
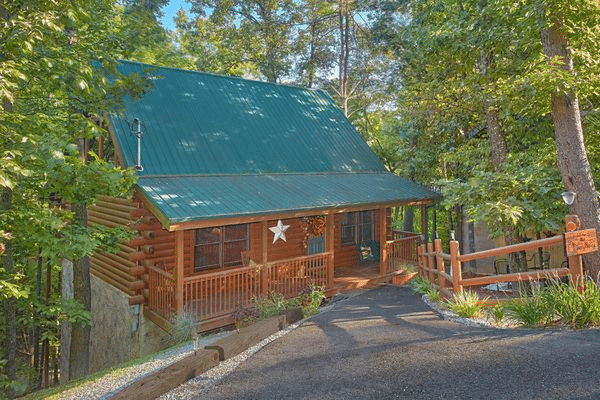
{"points": [[214, 298]]}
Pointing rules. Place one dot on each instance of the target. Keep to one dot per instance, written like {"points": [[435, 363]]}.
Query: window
{"points": [[357, 227], [220, 247]]}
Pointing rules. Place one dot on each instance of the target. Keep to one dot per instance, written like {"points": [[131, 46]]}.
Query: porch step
{"points": [[346, 284]]}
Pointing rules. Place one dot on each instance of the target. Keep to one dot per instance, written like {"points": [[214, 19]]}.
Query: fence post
{"points": [[440, 265], [576, 272], [431, 262], [456, 270]]}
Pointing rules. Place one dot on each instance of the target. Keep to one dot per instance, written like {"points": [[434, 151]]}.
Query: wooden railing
{"points": [[290, 277], [432, 262], [401, 252], [161, 289], [221, 293]]}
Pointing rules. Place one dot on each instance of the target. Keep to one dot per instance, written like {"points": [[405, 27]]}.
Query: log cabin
{"points": [[244, 187]]}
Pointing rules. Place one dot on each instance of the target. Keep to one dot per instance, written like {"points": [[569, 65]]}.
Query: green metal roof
{"points": [[216, 147], [199, 123], [183, 199]]}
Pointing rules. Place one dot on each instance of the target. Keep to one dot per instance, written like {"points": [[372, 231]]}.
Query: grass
{"points": [[422, 285], [54, 392], [466, 304], [559, 304]]}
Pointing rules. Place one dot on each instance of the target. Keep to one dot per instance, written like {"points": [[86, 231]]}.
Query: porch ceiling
{"points": [[183, 199]]}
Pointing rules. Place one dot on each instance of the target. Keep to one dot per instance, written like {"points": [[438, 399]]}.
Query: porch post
{"points": [[424, 222], [383, 254], [264, 284], [330, 246], [179, 270]]}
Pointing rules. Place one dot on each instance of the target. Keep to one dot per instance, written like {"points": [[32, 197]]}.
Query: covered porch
{"points": [[214, 297]]}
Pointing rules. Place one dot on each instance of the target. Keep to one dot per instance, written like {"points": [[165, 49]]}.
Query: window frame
{"points": [[352, 227], [222, 243]]}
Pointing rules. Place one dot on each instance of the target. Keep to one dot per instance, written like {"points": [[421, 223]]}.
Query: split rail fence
{"points": [[433, 261]]}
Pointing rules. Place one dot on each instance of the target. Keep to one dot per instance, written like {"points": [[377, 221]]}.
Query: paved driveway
{"points": [[387, 344]]}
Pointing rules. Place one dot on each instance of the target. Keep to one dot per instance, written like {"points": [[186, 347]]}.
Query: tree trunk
{"points": [[472, 249], [79, 354], [9, 304], [344, 29], [409, 218], [572, 155]]}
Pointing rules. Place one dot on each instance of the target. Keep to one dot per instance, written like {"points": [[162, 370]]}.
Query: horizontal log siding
{"points": [[292, 247], [346, 256], [121, 270]]}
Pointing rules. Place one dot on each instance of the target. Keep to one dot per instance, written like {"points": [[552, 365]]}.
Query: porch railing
{"points": [[289, 277], [401, 252], [221, 293], [161, 289]]}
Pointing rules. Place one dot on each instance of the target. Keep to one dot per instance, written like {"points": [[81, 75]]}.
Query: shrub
{"points": [[498, 312], [420, 285], [465, 304], [530, 311], [274, 304], [311, 300], [570, 307], [183, 327]]}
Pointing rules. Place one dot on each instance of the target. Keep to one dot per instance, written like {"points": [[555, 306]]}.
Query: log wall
{"points": [[122, 270]]}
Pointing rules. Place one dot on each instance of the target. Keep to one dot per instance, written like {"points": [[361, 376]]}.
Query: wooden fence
{"points": [[432, 262], [221, 293]]}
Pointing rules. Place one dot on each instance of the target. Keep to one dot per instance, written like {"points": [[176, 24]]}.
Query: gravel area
{"points": [[108, 385]]}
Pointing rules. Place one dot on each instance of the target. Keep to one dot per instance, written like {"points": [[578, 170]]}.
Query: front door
{"points": [[316, 245]]}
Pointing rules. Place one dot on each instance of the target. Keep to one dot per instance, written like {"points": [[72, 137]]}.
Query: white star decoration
{"points": [[279, 231]]}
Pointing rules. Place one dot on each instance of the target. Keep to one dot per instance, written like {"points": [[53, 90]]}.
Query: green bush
{"points": [[275, 304], [570, 307], [498, 312], [465, 304], [420, 284], [530, 311], [183, 327]]}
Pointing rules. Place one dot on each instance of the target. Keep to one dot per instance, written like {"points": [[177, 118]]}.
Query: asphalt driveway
{"points": [[387, 344]]}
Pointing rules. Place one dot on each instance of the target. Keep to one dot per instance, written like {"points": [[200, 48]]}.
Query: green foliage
{"points": [[420, 284], [423, 286], [498, 312], [466, 304], [275, 303], [311, 300], [560, 304], [184, 326], [530, 311]]}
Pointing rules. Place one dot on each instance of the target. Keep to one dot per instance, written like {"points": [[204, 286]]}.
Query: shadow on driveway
{"points": [[387, 344]]}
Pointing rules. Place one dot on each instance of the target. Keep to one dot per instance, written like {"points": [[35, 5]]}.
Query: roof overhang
{"points": [[189, 202]]}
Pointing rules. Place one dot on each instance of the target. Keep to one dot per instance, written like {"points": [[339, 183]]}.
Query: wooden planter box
{"points": [[402, 278]]}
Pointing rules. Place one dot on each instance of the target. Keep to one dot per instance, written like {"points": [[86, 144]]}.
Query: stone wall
{"points": [[119, 331]]}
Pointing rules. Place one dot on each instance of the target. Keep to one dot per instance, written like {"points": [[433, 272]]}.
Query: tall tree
{"points": [[562, 18], [260, 29], [56, 58]]}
